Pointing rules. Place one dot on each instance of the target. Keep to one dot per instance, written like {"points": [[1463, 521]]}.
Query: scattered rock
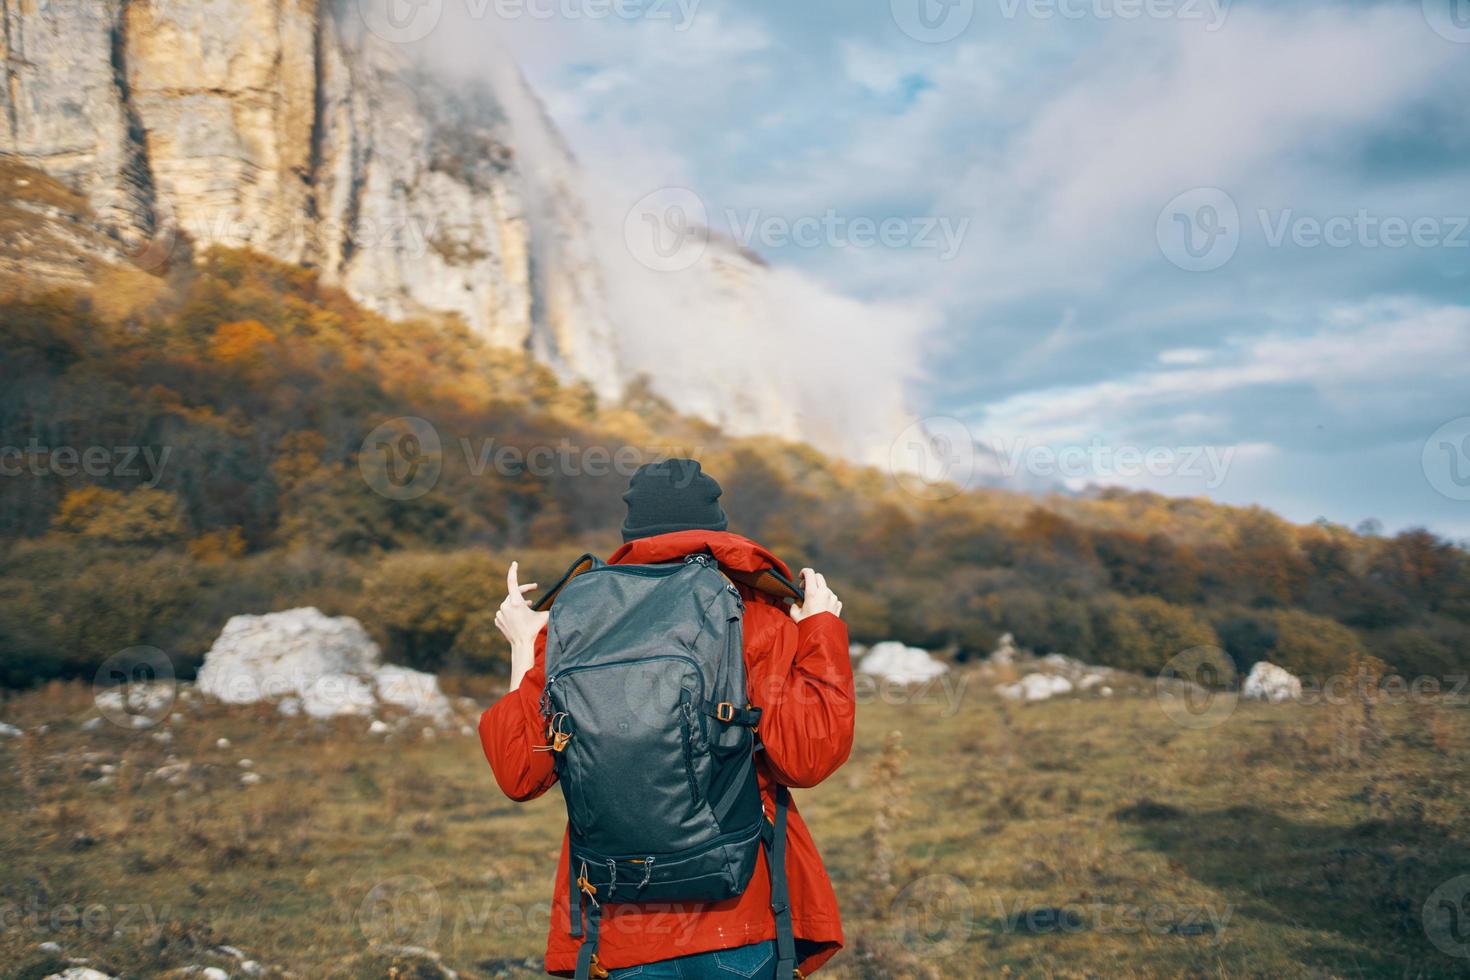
{"points": [[1006, 652], [250, 779], [53, 948], [147, 702], [9, 730], [221, 743], [1035, 687], [174, 773], [899, 664], [427, 957], [92, 724], [1270, 683], [379, 727], [79, 973], [247, 763], [317, 665], [411, 689]]}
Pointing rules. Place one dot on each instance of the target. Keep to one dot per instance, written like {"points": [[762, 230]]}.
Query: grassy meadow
{"points": [[967, 836]]}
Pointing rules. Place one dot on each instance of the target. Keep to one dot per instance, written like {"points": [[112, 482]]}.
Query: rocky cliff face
{"points": [[286, 126], [282, 126]]}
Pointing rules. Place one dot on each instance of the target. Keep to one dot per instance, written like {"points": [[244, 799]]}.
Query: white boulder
{"points": [[1006, 652], [309, 663], [1035, 687], [412, 689], [1270, 683], [899, 664], [9, 731], [79, 973]]}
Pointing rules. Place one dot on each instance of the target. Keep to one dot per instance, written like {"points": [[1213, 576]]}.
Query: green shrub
{"points": [[1312, 646], [1145, 633], [1438, 648], [420, 603]]}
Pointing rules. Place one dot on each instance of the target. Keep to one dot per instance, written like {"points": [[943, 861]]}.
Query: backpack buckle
{"points": [[555, 734], [725, 712]]}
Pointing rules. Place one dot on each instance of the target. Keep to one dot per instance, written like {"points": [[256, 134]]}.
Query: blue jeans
{"points": [[754, 962]]}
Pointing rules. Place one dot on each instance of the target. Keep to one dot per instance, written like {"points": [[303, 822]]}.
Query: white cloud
{"points": [[1373, 347]]}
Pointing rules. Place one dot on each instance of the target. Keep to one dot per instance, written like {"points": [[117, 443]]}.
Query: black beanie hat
{"points": [[672, 495]]}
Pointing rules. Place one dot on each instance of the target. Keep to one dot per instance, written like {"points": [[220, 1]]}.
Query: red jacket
{"points": [[800, 675]]}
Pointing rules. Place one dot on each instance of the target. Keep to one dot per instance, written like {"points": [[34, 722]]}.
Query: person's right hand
{"points": [[515, 618], [819, 598]]}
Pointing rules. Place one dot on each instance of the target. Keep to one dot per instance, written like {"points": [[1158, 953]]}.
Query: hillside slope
{"points": [[293, 130], [240, 437]]}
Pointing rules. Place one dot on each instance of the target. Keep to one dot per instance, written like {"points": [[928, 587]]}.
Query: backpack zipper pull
{"points": [[647, 872]]}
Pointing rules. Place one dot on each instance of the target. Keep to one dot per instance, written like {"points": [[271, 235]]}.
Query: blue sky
{"points": [[1158, 225]]}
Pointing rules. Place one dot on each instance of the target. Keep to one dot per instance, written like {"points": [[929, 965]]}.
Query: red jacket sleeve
{"points": [[512, 727], [805, 692]]}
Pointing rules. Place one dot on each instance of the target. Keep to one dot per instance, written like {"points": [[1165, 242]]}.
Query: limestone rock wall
{"points": [[283, 126]]}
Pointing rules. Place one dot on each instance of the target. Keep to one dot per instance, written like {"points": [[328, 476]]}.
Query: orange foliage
{"points": [[241, 341]]}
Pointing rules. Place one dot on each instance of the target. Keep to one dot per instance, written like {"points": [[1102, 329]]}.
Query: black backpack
{"points": [[646, 712]]}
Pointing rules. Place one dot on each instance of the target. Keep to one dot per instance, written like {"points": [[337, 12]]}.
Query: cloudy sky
{"points": [[1161, 243]]}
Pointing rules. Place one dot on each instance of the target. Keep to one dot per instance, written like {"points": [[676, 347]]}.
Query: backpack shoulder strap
{"points": [[584, 564], [775, 841], [767, 581]]}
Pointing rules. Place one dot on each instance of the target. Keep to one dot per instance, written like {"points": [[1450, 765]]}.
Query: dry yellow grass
{"points": [[1072, 838]]}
